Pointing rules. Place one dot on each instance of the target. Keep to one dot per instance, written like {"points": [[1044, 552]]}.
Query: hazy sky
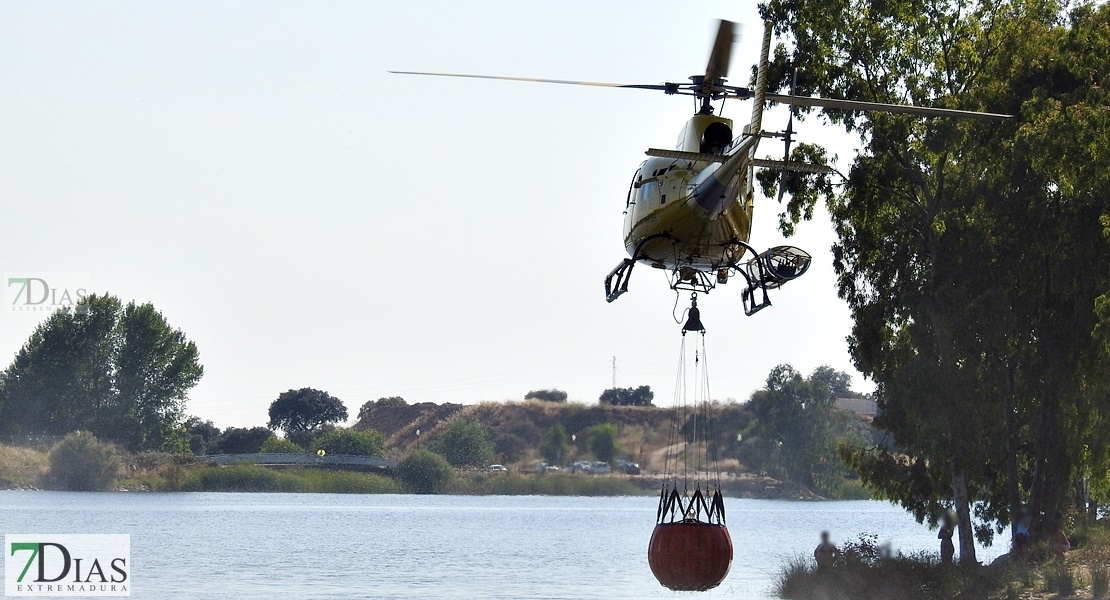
{"points": [[309, 220]]}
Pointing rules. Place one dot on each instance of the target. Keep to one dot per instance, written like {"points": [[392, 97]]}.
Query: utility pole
{"points": [[614, 372]]}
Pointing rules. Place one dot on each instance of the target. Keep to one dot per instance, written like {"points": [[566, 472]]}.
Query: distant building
{"points": [[866, 407]]}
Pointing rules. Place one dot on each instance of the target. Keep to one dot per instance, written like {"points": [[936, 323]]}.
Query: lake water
{"points": [[209, 545]]}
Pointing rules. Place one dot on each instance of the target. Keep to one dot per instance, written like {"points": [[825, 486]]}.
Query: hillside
{"points": [[518, 427]]}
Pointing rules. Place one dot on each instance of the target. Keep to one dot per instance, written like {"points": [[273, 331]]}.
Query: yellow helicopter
{"points": [[689, 210]]}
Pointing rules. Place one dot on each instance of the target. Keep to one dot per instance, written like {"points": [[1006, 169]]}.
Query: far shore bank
{"points": [[192, 474]]}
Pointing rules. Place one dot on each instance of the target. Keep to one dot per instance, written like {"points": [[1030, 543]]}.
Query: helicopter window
{"points": [[649, 191], [716, 138], [631, 185]]}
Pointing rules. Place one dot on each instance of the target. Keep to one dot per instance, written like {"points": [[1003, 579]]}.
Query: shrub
{"points": [[424, 471], [1100, 581], [509, 447], [349, 441], [22, 467], [80, 462], [1060, 579], [464, 444], [254, 478], [276, 445], [240, 440], [603, 441], [555, 447], [797, 579]]}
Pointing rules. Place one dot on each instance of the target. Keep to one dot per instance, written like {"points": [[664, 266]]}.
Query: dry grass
{"points": [[21, 467]]}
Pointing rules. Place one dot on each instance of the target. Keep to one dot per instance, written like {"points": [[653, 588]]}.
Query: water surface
{"points": [[205, 545]]}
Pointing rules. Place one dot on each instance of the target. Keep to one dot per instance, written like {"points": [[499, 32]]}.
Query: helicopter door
{"points": [[647, 192]]}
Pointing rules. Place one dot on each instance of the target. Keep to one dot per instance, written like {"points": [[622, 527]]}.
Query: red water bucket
{"points": [[690, 557]]}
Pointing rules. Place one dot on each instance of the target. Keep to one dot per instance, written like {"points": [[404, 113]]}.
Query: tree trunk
{"points": [[1012, 490], [963, 517]]}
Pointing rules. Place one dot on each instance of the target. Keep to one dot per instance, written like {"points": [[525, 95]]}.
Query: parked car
{"points": [[592, 467], [600, 468], [497, 468], [582, 466], [628, 467]]}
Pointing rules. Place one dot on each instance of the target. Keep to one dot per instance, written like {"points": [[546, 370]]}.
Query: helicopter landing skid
{"points": [[623, 271]]}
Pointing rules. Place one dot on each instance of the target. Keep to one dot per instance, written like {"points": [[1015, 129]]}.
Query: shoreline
{"points": [[261, 479]]}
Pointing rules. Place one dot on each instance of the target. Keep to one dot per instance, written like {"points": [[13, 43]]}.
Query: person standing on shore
{"points": [[947, 549], [825, 554]]}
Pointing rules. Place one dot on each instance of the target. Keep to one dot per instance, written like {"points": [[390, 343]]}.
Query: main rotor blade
{"points": [[721, 54], [880, 107], [663, 87]]}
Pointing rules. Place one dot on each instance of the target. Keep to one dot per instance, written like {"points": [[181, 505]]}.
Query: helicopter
{"points": [[688, 210]]}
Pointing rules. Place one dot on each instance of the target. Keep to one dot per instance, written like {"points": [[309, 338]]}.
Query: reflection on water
{"points": [[201, 545]]}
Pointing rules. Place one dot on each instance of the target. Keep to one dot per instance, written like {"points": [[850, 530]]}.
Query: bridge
{"points": [[279, 459]]}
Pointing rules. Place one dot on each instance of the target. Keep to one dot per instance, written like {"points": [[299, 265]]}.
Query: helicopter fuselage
{"points": [[684, 213]]}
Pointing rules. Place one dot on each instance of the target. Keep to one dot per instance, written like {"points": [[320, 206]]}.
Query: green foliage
{"points": [[555, 448], [602, 440], [552, 395], [241, 440], [305, 411], [464, 444], [508, 447], [80, 462], [424, 471], [370, 405], [864, 573], [797, 427], [641, 396], [349, 441], [120, 372], [276, 445], [526, 431], [202, 435], [253, 478], [966, 248], [22, 467], [1060, 579]]}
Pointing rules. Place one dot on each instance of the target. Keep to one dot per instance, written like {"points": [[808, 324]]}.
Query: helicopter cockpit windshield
{"points": [[716, 138]]}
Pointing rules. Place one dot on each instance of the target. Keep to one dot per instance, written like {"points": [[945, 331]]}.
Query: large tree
{"points": [[464, 444], [242, 440], [796, 427], [602, 439], [966, 247], [641, 396], [552, 395], [121, 372], [302, 414], [555, 447]]}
